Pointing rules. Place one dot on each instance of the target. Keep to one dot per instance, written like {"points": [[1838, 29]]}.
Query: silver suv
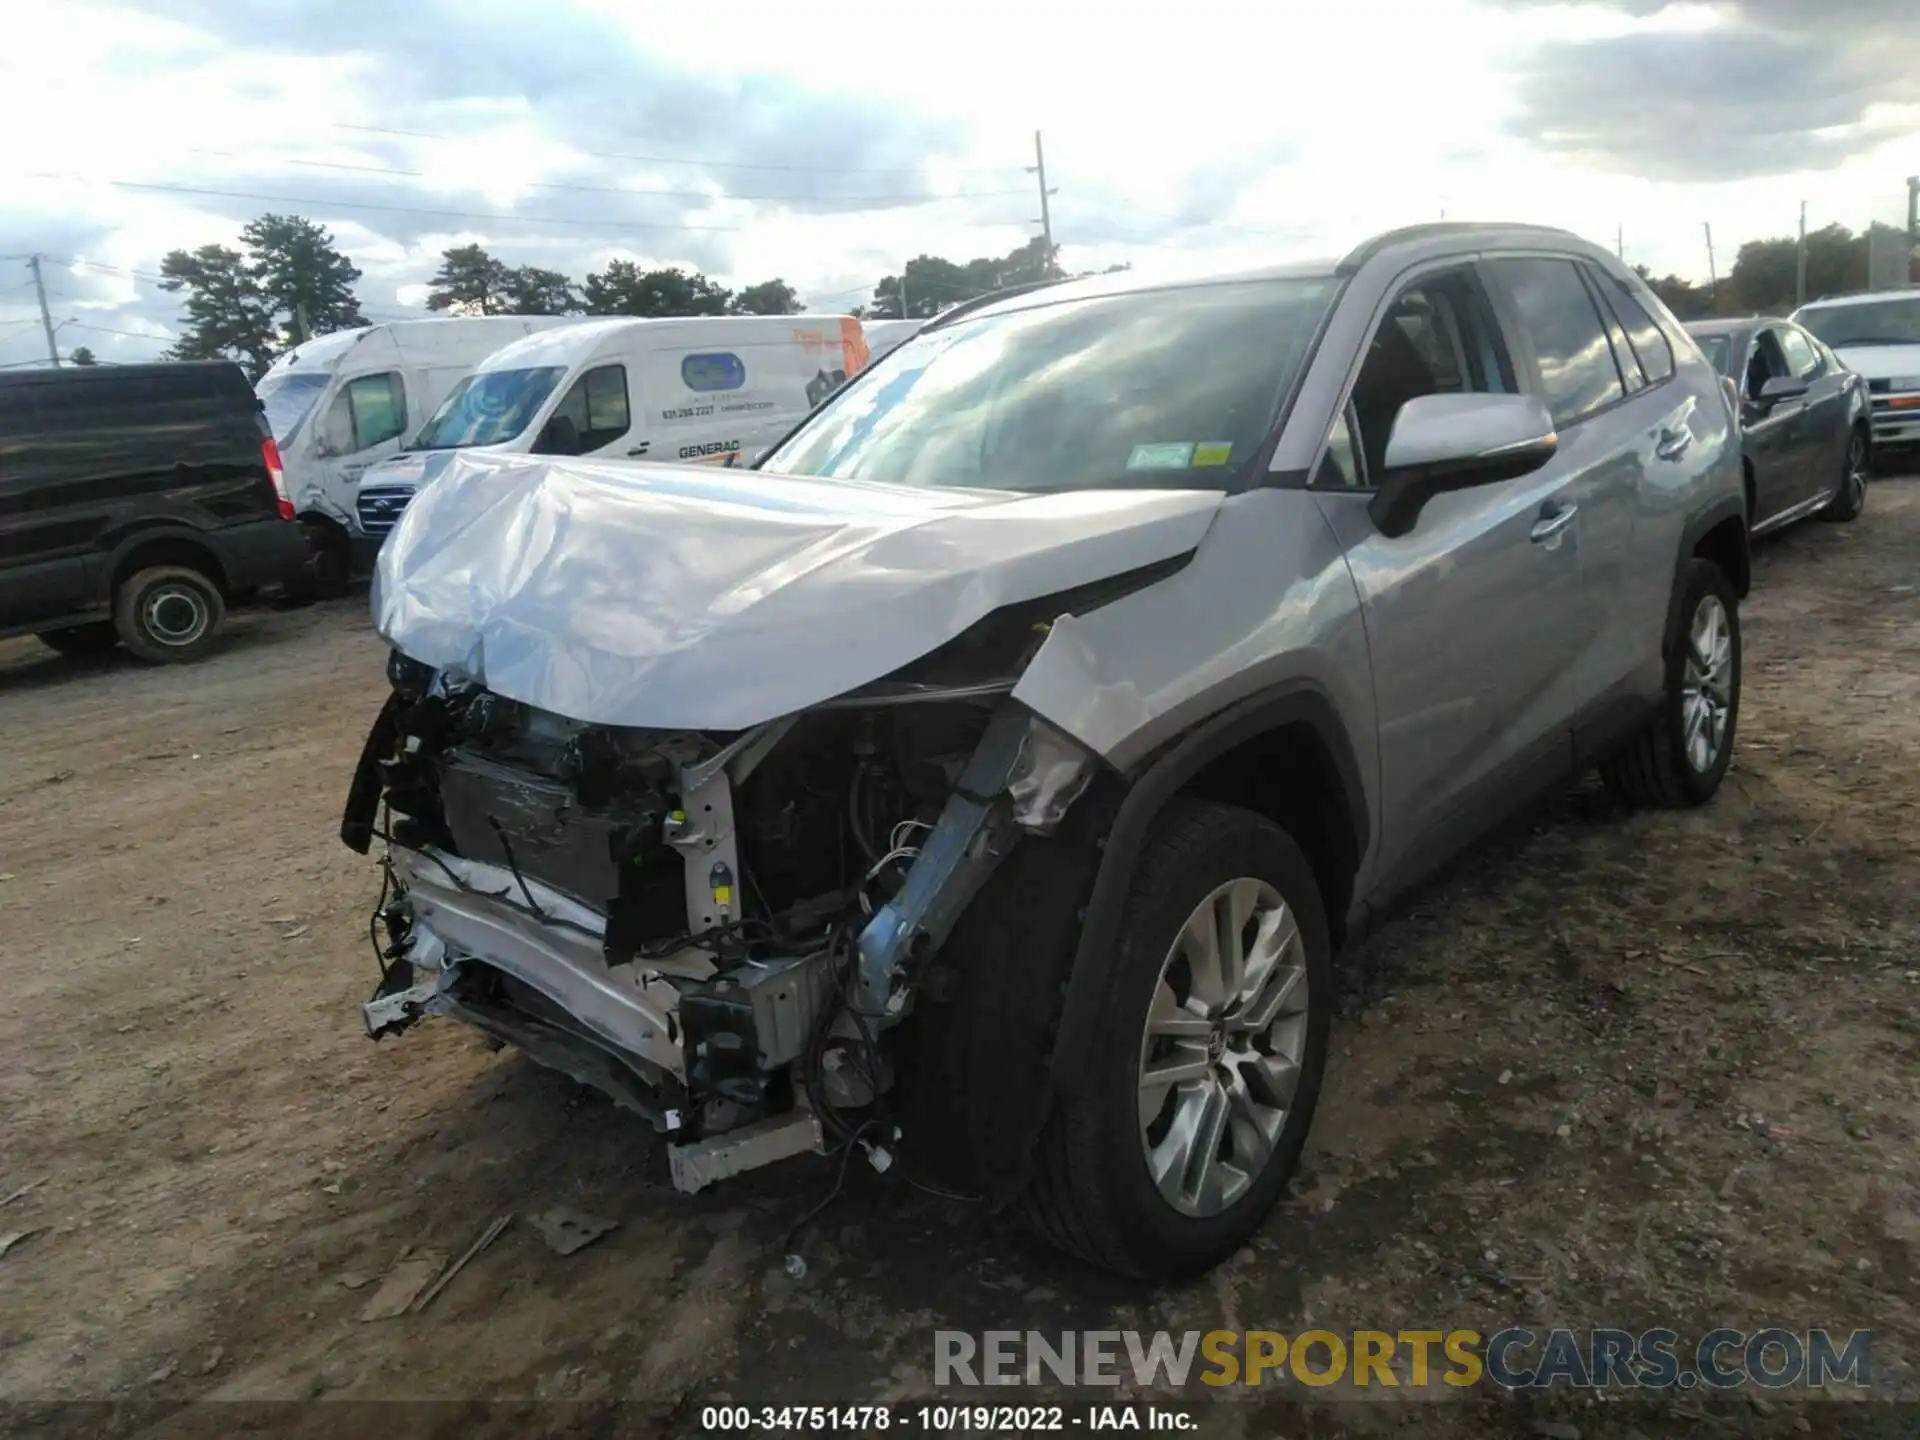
{"points": [[986, 780]]}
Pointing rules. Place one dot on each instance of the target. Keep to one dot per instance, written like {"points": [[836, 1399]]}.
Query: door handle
{"points": [[1553, 519], [639, 449], [1674, 441]]}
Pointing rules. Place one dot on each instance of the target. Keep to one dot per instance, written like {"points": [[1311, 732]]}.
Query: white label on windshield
{"points": [[1169, 456]]}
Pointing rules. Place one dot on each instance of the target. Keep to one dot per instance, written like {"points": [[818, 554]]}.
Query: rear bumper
{"points": [[264, 554]]}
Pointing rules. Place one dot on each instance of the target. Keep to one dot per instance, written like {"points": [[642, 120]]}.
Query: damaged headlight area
{"points": [[719, 930]]}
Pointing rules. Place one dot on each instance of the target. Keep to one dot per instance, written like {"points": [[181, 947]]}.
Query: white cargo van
{"points": [[700, 390], [339, 403], [884, 336]]}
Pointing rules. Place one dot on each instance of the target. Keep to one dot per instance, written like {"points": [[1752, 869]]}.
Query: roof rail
{"points": [[980, 302], [1367, 249]]}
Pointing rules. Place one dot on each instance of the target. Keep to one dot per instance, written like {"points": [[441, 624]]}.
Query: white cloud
{"points": [[1209, 126]]}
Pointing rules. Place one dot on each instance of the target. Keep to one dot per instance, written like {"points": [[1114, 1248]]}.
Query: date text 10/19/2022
{"points": [[944, 1419]]}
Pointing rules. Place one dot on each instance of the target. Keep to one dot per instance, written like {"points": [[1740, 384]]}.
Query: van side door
{"points": [[596, 409], [45, 539], [366, 422]]}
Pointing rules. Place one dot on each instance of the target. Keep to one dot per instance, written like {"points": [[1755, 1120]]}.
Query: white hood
{"points": [[669, 597], [1880, 362]]}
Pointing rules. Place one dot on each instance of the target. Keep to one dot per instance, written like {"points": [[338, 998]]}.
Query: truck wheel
{"points": [[1681, 755], [168, 614], [95, 638], [1168, 1153]]}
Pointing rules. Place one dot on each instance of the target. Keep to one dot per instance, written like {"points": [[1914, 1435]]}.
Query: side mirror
{"points": [[1782, 387], [561, 437], [1454, 442]]}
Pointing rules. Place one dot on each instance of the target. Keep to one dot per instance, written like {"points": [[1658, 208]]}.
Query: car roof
{"points": [[1731, 327], [215, 372], [1439, 238], [1834, 302]]}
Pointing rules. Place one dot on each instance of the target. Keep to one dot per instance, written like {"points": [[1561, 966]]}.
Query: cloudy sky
{"points": [[826, 142]]}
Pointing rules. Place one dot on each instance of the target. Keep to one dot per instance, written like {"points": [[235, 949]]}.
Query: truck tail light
{"points": [[270, 453]]}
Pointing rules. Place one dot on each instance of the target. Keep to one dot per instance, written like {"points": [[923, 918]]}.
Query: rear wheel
{"points": [[168, 614], [1851, 498], [1682, 754], [1171, 1149], [95, 638]]}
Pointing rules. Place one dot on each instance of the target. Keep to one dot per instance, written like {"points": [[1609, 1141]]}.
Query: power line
{"points": [[104, 330], [321, 203], [703, 195], [716, 164]]}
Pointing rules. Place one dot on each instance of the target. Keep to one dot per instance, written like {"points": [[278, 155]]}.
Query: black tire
{"points": [[168, 614], [1851, 498], [95, 638], [1091, 1192], [1654, 769]]}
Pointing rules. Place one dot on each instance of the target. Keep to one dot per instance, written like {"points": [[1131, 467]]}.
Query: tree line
{"points": [[1762, 280], [288, 281]]}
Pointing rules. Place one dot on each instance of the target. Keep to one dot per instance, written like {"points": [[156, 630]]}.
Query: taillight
{"points": [[270, 454]]}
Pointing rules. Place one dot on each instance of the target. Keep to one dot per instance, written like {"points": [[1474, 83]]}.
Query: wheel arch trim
{"points": [[1148, 789]]}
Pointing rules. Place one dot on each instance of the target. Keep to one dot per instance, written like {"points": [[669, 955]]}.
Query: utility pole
{"points": [[301, 334], [1913, 209], [1620, 241], [1039, 168], [1800, 261], [46, 320], [903, 292], [1713, 276]]}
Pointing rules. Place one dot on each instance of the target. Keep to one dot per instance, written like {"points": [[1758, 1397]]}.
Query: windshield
{"points": [[1716, 348], [488, 409], [1165, 389], [1874, 322], [288, 399]]}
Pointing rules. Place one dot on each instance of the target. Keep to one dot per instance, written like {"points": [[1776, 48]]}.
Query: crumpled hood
{"points": [[670, 597], [1880, 362]]}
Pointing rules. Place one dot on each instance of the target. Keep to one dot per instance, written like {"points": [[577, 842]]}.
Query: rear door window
{"points": [[1650, 347], [1577, 371]]}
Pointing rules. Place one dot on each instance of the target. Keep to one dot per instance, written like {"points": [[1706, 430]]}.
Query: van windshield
{"points": [[1874, 322], [288, 400], [1170, 389], [488, 409]]}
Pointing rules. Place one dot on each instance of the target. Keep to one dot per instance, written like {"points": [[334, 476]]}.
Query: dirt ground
{"points": [[1628, 1069]]}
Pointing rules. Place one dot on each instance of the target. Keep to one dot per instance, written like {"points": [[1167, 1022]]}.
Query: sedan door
{"points": [[1770, 430], [1820, 441]]}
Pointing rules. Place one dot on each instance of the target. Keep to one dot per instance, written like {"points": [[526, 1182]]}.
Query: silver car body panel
{"points": [[668, 597]]}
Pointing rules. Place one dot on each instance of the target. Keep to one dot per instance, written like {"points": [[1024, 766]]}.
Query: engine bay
{"points": [[718, 929]]}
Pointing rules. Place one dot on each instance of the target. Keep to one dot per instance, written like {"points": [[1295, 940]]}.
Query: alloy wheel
{"points": [[1706, 693], [1225, 1039]]}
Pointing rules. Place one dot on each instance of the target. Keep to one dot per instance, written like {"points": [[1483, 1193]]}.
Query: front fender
{"points": [[1147, 794]]}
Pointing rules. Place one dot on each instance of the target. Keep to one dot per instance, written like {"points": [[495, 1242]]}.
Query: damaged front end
{"points": [[717, 929]]}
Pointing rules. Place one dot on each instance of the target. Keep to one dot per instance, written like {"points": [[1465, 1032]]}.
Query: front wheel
{"points": [[1681, 756], [1171, 1149], [1851, 498]]}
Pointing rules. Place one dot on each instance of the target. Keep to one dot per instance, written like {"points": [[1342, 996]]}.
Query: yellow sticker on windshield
{"points": [[1213, 452]]}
